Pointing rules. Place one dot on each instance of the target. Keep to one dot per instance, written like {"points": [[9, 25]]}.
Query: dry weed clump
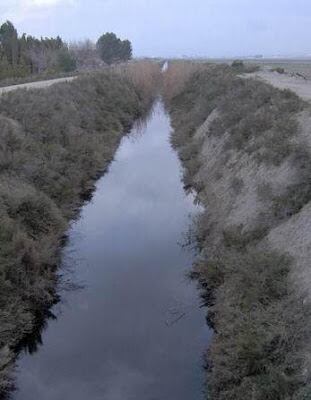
{"points": [[145, 76], [176, 76]]}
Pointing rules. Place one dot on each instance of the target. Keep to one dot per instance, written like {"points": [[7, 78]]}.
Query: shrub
{"points": [[238, 238], [279, 70], [237, 64], [237, 185], [65, 61], [252, 310], [240, 67]]}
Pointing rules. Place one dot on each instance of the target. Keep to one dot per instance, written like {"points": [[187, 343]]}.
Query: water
{"points": [[165, 66], [135, 331]]}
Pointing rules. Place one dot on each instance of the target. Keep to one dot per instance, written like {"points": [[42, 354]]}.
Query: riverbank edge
{"points": [[261, 343], [28, 338], [40, 309]]}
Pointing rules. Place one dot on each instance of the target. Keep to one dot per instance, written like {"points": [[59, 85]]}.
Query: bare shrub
{"points": [[86, 55]]}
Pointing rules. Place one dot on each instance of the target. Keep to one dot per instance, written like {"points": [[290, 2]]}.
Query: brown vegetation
{"points": [[145, 75], [176, 76]]}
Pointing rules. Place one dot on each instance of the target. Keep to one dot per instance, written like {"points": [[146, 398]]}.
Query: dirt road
{"points": [[35, 85]]}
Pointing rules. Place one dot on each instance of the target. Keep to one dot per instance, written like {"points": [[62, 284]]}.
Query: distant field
{"points": [[291, 66], [302, 67]]}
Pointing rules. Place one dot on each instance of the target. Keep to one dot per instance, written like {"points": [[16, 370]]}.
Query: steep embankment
{"points": [[246, 150], [54, 143]]}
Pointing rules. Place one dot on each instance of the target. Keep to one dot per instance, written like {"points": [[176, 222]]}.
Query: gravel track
{"points": [[35, 85]]}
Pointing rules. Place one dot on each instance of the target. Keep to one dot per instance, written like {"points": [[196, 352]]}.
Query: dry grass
{"points": [[176, 75], [145, 75]]}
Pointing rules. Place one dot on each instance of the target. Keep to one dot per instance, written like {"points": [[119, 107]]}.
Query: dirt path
{"points": [[35, 85], [299, 85]]}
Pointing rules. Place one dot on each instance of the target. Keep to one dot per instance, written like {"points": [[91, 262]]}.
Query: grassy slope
{"points": [[261, 324], [54, 143]]}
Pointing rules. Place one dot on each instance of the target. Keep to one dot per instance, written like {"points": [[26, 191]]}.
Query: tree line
{"points": [[21, 56]]}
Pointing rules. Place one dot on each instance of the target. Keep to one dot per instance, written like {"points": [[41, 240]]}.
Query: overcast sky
{"points": [[173, 27]]}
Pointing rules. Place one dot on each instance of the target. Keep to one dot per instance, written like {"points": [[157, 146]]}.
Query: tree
{"points": [[65, 60], [38, 59], [5, 67], [108, 47], [125, 50], [9, 42], [85, 54], [112, 49]]}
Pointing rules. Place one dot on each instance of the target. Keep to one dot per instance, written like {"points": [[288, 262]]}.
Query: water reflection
{"points": [[32, 342], [136, 330]]}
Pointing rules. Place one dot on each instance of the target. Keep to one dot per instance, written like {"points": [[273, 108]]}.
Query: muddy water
{"points": [[135, 330]]}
